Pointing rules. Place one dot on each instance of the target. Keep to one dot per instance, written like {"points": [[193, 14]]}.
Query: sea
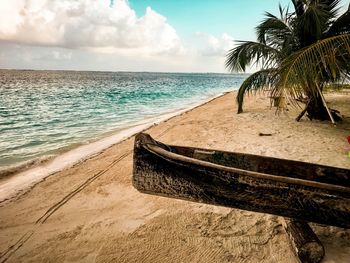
{"points": [[45, 113]]}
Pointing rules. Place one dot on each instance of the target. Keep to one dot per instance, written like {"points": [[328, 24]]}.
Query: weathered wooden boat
{"points": [[302, 191]]}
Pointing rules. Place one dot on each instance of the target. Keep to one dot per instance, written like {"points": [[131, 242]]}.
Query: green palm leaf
{"points": [[314, 65], [299, 53], [341, 25], [248, 53], [258, 81], [315, 20], [275, 31]]}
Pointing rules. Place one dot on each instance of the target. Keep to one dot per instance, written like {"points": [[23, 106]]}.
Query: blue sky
{"points": [[134, 35], [235, 17]]}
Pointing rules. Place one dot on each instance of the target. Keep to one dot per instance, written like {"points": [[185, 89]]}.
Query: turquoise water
{"points": [[44, 112]]}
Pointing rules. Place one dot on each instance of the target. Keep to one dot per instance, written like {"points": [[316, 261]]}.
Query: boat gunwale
{"points": [[170, 156]]}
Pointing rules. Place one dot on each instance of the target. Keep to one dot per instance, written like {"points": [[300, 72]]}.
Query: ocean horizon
{"points": [[44, 113]]}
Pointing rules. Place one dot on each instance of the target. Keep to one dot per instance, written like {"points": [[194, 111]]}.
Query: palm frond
{"points": [[341, 25], [318, 63], [248, 52], [260, 80], [298, 7], [315, 20], [273, 30], [331, 5]]}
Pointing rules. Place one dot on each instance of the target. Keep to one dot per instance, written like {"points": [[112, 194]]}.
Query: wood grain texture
{"points": [[304, 242], [304, 191]]}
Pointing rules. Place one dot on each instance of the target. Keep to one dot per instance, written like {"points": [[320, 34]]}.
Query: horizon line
{"points": [[124, 71]]}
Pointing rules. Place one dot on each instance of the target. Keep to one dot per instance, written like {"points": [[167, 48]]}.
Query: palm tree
{"points": [[299, 53]]}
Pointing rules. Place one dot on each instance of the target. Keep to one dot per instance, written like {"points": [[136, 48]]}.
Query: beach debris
{"points": [[307, 104], [265, 134], [304, 242]]}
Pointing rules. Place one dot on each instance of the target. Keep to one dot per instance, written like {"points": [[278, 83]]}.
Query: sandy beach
{"points": [[91, 213]]}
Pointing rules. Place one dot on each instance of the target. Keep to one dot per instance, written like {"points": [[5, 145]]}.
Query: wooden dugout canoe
{"points": [[299, 190]]}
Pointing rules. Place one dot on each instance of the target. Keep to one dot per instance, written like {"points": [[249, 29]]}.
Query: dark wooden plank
{"points": [[304, 242], [157, 170], [304, 111]]}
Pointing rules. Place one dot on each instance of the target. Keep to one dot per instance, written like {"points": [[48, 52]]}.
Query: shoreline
{"points": [[91, 212], [22, 176]]}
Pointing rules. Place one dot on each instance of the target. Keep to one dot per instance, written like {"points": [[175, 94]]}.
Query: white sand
{"points": [[91, 213]]}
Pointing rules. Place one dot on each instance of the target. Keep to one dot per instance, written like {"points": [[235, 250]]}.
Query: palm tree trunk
{"points": [[317, 110]]}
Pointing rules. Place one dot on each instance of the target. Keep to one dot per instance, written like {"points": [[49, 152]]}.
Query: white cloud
{"points": [[94, 35], [209, 45], [54, 55], [92, 24]]}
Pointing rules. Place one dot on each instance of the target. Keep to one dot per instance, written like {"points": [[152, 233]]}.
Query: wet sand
{"points": [[91, 213]]}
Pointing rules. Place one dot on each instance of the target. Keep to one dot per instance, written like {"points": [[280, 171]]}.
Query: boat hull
{"points": [[159, 169]]}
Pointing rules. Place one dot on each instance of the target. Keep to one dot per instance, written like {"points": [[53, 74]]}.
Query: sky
{"points": [[121, 35]]}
